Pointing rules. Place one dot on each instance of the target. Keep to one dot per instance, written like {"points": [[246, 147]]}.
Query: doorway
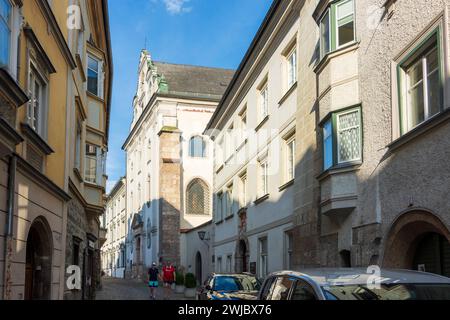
{"points": [[242, 257], [198, 268], [433, 254], [38, 262]]}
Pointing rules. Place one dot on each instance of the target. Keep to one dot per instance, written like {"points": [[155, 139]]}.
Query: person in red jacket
{"points": [[168, 271]]}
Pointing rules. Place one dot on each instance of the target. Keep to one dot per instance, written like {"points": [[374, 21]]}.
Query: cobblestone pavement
{"points": [[121, 289]]}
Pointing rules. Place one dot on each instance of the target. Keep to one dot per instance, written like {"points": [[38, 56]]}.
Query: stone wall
{"points": [[170, 187]]}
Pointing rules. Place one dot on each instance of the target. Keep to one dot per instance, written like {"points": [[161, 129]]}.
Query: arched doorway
{"points": [[38, 268], [198, 268], [242, 256], [418, 240]]}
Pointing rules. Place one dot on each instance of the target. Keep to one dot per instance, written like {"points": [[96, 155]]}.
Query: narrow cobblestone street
{"points": [[121, 289]]}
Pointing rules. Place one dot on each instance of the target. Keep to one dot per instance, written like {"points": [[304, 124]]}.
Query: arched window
{"points": [[197, 198], [197, 147]]}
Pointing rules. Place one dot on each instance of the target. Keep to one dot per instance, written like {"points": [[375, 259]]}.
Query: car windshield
{"points": [[389, 292], [236, 283]]}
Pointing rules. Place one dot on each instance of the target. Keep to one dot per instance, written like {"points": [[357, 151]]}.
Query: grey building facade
{"points": [[373, 174]]}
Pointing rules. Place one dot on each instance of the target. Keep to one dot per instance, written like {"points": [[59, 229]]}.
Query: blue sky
{"points": [[213, 33]]}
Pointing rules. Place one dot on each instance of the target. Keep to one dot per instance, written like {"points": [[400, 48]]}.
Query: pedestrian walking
{"points": [[168, 278], [153, 277]]}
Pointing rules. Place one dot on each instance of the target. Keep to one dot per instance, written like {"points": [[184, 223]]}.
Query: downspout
{"points": [[12, 166]]}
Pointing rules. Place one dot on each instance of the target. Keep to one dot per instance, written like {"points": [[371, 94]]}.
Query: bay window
{"points": [[95, 76], [337, 26], [420, 82], [342, 138], [5, 32]]}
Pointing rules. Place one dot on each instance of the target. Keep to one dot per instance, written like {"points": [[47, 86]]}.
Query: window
{"points": [[219, 265], [337, 26], [229, 201], [197, 147], [197, 197], [243, 190], [290, 159], [78, 146], [292, 68], [91, 163], [263, 261], [264, 101], [289, 247], [76, 252], [37, 105], [243, 123], [229, 259], [264, 177], [422, 91], [229, 142], [5, 32], [342, 138], [95, 77], [219, 207]]}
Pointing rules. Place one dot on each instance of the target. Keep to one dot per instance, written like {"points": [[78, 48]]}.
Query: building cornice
{"points": [[11, 89], [56, 31], [41, 179]]}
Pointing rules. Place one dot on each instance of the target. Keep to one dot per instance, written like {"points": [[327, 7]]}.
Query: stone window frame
{"points": [[206, 197], [417, 49]]}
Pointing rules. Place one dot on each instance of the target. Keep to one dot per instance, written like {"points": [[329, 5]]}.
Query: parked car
{"points": [[354, 284], [229, 287]]}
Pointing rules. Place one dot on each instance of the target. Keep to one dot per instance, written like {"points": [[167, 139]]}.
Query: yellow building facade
{"points": [[37, 66]]}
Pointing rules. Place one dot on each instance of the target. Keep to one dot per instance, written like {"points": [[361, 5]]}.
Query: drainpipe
{"points": [[9, 227]]}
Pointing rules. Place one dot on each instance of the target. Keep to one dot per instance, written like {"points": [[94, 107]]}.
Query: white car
{"points": [[354, 284]]}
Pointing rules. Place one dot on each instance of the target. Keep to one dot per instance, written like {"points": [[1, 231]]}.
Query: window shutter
{"points": [[101, 79]]}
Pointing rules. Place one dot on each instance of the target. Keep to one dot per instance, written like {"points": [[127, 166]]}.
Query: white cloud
{"points": [[177, 6]]}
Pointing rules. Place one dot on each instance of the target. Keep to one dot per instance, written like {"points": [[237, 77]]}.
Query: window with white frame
{"points": [[229, 142], [420, 80], [263, 257], [292, 67], [290, 158], [342, 138], [5, 31], [264, 100], [337, 26], [263, 177], [91, 163], [95, 76], [243, 124], [37, 105]]}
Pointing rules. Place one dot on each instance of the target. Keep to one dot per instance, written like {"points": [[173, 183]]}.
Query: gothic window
{"points": [[197, 198]]}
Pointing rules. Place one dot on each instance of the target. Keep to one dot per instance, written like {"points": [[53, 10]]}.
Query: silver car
{"points": [[354, 284]]}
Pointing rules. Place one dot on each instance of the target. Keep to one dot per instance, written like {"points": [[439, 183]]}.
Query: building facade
{"points": [[89, 101], [169, 160], [379, 91], [254, 133], [35, 62], [114, 220]]}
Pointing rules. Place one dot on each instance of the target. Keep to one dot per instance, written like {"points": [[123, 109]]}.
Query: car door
{"points": [[265, 290], [303, 291], [282, 287]]}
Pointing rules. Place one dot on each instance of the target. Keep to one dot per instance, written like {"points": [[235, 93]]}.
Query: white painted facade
{"points": [[240, 158], [153, 112], [114, 221]]}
